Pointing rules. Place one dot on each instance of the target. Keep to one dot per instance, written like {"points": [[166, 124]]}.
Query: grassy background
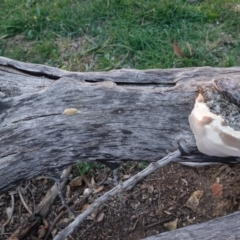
{"points": [[90, 35]]}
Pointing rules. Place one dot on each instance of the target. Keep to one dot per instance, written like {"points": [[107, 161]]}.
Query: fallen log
{"points": [[51, 118], [223, 228]]}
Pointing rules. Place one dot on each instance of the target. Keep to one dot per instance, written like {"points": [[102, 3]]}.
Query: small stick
{"points": [[64, 203], [119, 188], [22, 200], [44, 206]]}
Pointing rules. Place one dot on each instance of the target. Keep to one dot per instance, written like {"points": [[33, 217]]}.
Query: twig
{"points": [[68, 202], [58, 217], [24, 232], [64, 203], [86, 229], [55, 222], [44, 206], [120, 188], [33, 198], [134, 226], [23, 201], [103, 179], [158, 222], [115, 181]]}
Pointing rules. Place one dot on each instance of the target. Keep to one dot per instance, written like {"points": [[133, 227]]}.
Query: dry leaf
{"points": [[150, 189], [42, 231], [70, 111], [64, 222], [217, 190], [193, 201], [68, 192], [85, 206], [94, 214], [237, 8], [99, 189], [189, 49], [143, 186], [54, 232], [184, 181], [171, 225], [126, 177], [93, 183], [13, 238], [177, 50], [46, 224], [220, 208], [76, 182], [100, 217]]}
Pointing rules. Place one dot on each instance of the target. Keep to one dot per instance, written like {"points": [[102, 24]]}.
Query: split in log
{"points": [[50, 118]]}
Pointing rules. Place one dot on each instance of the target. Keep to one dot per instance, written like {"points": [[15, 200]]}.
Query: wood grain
{"points": [[122, 115]]}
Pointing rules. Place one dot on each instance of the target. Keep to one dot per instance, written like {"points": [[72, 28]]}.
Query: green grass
{"points": [[81, 35], [91, 35], [83, 167]]}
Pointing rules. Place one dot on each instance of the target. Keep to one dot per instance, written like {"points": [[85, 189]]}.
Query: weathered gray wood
{"points": [[223, 228], [123, 115]]}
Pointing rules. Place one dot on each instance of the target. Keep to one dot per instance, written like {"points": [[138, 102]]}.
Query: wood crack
{"points": [[35, 117]]}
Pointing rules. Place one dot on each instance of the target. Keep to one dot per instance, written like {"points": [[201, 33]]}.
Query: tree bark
{"points": [[120, 115], [223, 228]]}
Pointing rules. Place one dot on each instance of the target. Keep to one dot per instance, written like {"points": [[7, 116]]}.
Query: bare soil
{"points": [[157, 200]]}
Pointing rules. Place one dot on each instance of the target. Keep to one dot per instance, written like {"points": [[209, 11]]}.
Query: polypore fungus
{"points": [[213, 136]]}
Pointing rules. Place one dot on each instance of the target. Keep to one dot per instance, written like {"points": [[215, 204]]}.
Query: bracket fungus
{"points": [[214, 133]]}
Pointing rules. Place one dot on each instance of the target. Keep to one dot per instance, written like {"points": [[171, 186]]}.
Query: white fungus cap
{"points": [[212, 136]]}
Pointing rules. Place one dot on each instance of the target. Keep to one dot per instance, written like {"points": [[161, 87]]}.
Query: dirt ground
{"points": [[153, 203]]}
